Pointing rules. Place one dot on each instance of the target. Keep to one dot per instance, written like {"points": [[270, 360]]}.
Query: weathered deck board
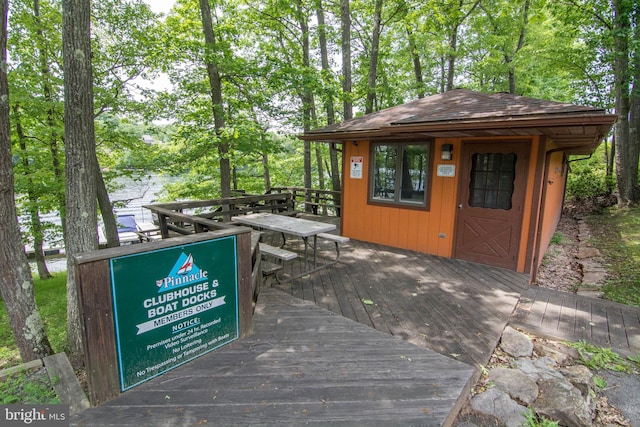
{"points": [[306, 365], [455, 307], [600, 322], [303, 365], [452, 307]]}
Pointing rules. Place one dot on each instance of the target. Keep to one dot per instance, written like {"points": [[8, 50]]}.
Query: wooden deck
{"points": [[570, 317], [303, 366], [454, 308], [457, 308], [326, 348]]}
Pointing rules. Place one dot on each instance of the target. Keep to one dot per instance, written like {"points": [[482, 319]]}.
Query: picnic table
{"points": [[307, 230]]}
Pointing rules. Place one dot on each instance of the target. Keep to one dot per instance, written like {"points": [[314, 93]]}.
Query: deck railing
{"points": [[203, 215], [216, 214], [323, 202]]}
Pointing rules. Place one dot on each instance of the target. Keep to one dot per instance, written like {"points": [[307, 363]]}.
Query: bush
{"points": [[588, 178]]}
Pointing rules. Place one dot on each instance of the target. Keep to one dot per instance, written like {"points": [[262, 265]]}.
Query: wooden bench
{"points": [[271, 269], [278, 253], [334, 237]]}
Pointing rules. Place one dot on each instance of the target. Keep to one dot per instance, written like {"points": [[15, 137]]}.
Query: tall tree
{"points": [[373, 57], [306, 94], [345, 25], [330, 106], [634, 103], [216, 96], [80, 165], [415, 60], [16, 283], [626, 148], [37, 117], [459, 15], [509, 24], [33, 194]]}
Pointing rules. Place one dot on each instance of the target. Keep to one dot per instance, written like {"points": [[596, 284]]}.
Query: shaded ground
{"points": [[560, 269]]}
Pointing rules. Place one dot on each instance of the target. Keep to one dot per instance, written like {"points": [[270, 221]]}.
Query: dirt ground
{"points": [[560, 269]]}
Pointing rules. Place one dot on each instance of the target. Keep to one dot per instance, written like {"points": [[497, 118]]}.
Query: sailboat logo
{"points": [[187, 266], [184, 272]]}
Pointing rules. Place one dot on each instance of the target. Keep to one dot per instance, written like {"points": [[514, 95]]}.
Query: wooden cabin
{"points": [[463, 174]]}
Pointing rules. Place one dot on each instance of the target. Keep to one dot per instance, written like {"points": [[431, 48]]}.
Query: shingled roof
{"points": [[464, 113]]}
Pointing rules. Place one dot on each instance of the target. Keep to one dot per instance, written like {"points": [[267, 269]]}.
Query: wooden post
{"points": [[245, 288], [96, 311]]}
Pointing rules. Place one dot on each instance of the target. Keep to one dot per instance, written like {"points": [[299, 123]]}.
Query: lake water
{"points": [[136, 193]]}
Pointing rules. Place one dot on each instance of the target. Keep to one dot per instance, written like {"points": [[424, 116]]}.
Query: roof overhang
{"points": [[463, 113], [579, 133]]}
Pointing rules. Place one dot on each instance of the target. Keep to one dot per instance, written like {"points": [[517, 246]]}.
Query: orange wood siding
{"points": [[432, 231], [420, 230], [555, 184]]}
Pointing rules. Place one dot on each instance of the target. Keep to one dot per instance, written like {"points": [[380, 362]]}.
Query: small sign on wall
{"points": [[356, 167], [447, 170]]}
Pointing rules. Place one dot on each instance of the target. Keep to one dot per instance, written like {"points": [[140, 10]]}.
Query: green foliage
{"points": [[29, 388], [635, 360], [617, 240], [588, 178], [596, 358], [599, 382], [557, 239], [52, 305], [533, 420]]}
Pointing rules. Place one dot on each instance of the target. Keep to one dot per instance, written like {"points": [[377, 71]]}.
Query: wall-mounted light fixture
{"points": [[446, 152]]}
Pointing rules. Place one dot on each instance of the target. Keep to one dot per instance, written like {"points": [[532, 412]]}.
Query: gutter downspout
{"points": [[540, 215]]}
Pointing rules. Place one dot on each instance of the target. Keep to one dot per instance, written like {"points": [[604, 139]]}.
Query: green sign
{"points": [[173, 305]]}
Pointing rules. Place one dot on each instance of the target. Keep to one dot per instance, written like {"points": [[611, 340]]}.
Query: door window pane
{"points": [[492, 177]]}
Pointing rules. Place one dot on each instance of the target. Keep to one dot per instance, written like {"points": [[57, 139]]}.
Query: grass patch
{"points": [[596, 358], [616, 233], [557, 239], [25, 387], [51, 298]]}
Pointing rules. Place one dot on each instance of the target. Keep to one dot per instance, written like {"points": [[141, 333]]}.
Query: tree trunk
{"points": [[37, 233], [523, 31], [417, 66], [451, 58], [216, 97], [266, 174], [106, 209], [321, 183], [16, 283], [54, 135], [324, 58], [634, 101], [306, 98], [626, 167], [373, 59], [345, 23], [80, 151]]}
